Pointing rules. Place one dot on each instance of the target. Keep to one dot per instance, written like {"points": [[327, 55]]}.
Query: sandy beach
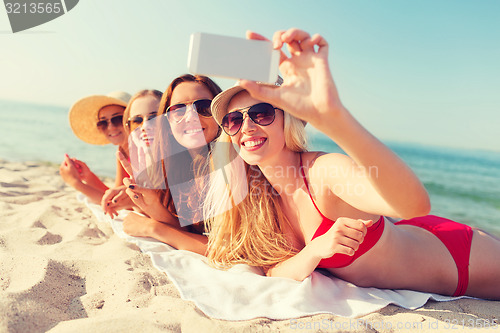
{"points": [[61, 270]]}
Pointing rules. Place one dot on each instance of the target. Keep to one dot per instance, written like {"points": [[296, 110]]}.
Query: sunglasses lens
{"points": [[231, 123], [117, 121], [262, 114], [202, 106], [176, 112], [102, 125], [135, 122]]}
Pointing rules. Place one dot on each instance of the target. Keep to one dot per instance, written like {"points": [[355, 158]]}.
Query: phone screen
{"points": [[232, 57]]}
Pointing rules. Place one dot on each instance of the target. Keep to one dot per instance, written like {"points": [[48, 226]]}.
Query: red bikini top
{"points": [[342, 260]]}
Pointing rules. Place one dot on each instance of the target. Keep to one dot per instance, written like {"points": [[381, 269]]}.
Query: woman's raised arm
{"points": [[309, 93]]}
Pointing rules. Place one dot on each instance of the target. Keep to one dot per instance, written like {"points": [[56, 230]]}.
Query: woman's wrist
{"points": [[150, 228], [335, 122], [161, 214], [157, 230], [76, 183], [311, 250]]}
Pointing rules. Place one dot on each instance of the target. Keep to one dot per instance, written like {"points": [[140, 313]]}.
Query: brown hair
{"points": [[146, 92], [199, 163], [167, 96]]}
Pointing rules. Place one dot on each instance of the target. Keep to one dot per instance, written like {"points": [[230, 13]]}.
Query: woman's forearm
{"points": [[298, 267], [162, 214], [178, 238], [96, 183], [94, 194], [389, 175]]}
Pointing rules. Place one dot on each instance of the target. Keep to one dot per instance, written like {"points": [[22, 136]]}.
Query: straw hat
{"points": [[84, 114], [221, 101]]}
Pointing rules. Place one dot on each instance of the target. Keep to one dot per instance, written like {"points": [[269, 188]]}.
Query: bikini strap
{"points": [[307, 186]]}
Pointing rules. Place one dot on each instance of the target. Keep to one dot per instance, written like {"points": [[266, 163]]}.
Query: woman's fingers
{"points": [[68, 171], [106, 198], [348, 248], [348, 234], [355, 224], [294, 34], [136, 197], [119, 197], [299, 41], [114, 199], [321, 42], [132, 187], [354, 234], [135, 190], [257, 36], [262, 93], [68, 161], [277, 40], [254, 35], [294, 47]]}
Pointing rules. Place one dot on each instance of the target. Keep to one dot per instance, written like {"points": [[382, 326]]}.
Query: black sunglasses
{"points": [[177, 112], [262, 114], [136, 121], [116, 121]]}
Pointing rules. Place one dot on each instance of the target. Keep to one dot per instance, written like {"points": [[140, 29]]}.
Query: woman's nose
{"points": [[147, 124], [191, 114], [248, 126]]}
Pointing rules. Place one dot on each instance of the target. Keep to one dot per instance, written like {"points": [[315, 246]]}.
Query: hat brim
{"points": [[84, 114], [221, 101]]}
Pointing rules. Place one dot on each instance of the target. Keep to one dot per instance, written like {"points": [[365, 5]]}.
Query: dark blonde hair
{"points": [[199, 163]]}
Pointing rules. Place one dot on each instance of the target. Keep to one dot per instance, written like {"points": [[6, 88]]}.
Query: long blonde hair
{"points": [[244, 218]]}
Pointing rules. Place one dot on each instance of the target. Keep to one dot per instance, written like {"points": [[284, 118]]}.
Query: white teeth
{"points": [[253, 143], [191, 131]]}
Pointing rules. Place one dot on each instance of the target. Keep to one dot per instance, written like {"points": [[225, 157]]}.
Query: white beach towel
{"points": [[242, 293]]}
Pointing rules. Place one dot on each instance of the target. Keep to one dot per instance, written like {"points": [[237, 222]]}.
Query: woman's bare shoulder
{"points": [[315, 160]]}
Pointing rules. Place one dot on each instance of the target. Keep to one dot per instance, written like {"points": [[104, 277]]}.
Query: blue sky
{"points": [[420, 71]]}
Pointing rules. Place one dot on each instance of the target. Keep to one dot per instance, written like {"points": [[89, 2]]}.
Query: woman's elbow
{"points": [[419, 207], [423, 206]]}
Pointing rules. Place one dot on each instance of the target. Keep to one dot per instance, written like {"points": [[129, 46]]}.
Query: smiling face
{"points": [[257, 144], [192, 131], [144, 108], [115, 133]]}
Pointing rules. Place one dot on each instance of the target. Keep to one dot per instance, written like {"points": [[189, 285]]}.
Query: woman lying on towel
{"points": [[140, 113], [96, 120], [179, 150], [311, 209]]}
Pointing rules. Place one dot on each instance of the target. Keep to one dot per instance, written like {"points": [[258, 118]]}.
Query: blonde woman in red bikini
{"points": [[310, 209]]}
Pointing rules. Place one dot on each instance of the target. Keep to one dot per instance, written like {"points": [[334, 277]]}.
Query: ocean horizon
{"points": [[463, 184]]}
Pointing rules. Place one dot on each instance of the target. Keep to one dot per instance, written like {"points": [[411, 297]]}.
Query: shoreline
{"points": [[62, 270]]}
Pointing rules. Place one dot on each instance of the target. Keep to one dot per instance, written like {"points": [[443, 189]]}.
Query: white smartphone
{"points": [[231, 57]]}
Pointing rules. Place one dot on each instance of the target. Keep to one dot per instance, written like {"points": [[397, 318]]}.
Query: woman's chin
{"points": [[116, 141], [193, 142]]}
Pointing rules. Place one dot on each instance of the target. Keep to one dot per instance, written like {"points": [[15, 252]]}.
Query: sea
{"points": [[463, 184]]}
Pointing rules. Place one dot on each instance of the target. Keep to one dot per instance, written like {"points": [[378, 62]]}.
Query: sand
{"points": [[63, 271]]}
